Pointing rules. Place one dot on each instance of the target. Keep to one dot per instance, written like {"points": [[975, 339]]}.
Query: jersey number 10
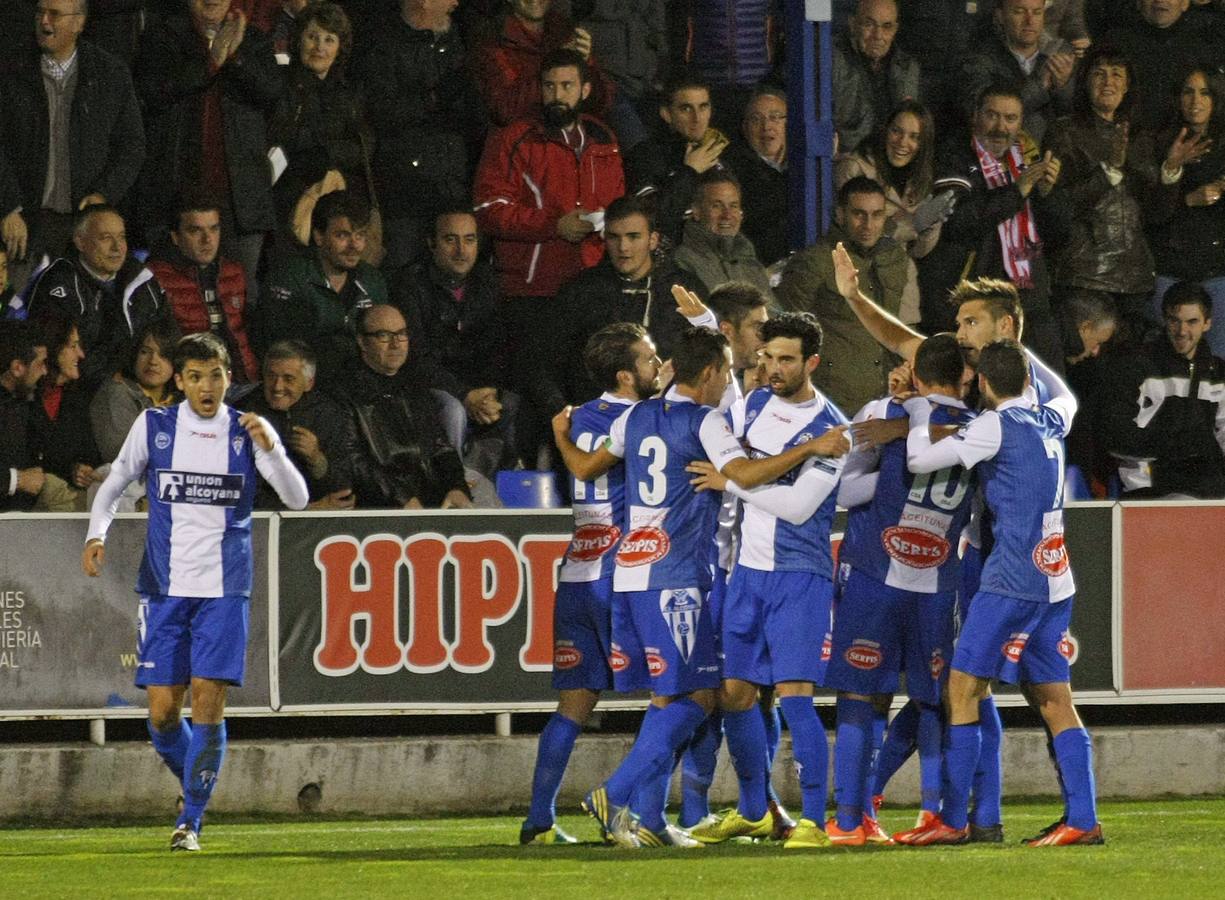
{"points": [[946, 492]]}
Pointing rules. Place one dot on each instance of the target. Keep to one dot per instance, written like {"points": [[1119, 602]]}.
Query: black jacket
{"points": [[657, 167], [68, 439], [333, 427], [1189, 241], [402, 451], [106, 140], [764, 199], [1159, 57], [16, 449], [172, 76]]}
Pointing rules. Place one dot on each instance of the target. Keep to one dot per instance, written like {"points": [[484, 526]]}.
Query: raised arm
{"points": [[886, 329]]}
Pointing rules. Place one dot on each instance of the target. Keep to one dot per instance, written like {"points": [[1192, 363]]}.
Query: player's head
{"points": [[202, 372], [702, 362], [1003, 372], [939, 366], [621, 359], [741, 308], [23, 357], [791, 350], [988, 309]]}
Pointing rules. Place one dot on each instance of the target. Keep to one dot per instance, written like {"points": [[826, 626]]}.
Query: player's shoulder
{"points": [[825, 410]]}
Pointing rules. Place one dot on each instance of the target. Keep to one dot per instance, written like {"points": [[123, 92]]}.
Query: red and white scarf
{"points": [[1018, 235]]}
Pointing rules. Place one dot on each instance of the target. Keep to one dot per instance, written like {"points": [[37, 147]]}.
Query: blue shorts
{"points": [[1015, 640], [675, 638], [180, 638], [971, 576], [582, 625], [775, 625], [881, 631]]}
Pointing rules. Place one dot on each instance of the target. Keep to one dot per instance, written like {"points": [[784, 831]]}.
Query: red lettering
{"points": [[541, 554], [427, 646], [343, 601], [487, 586]]}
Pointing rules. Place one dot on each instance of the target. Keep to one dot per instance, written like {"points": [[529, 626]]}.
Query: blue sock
{"points": [[811, 752], [698, 770], [852, 756], [661, 735], [989, 779], [1074, 751], [930, 738], [172, 746], [746, 743], [650, 798], [878, 737], [774, 734], [899, 744], [965, 742], [200, 771], [552, 754]]}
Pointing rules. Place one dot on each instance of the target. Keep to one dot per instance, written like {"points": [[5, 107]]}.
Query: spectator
{"points": [[1111, 181], [1017, 54], [424, 110], [1164, 419], [854, 368], [315, 430], [508, 50], [281, 26], [632, 37], [402, 459], [207, 83], [741, 309], [318, 122], [1162, 43], [23, 363], [316, 298], [6, 286], [1089, 321], [1065, 21], [713, 250], [1187, 241], [72, 134], [760, 162], [452, 305], [630, 285], [667, 166], [207, 292], [540, 188], [59, 429], [115, 26], [1006, 204], [940, 34], [108, 293], [871, 76], [900, 156], [146, 381]]}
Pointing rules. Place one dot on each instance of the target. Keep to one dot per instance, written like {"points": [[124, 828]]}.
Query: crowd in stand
{"points": [[406, 217]]}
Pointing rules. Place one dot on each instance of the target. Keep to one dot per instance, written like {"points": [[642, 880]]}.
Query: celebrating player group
{"points": [[701, 570]]}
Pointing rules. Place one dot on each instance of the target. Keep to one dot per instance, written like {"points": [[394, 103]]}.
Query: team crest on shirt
{"points": [[1051, 555], [162, 441], [237, 443], [682, 610]]}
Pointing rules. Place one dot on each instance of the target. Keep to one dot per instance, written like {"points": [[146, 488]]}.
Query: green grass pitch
{"points": [[1167, 848]]}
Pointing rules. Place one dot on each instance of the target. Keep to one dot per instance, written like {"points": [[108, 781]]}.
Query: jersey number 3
{"points": [[654, 492]]}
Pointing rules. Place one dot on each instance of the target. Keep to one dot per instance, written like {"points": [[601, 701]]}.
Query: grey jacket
{"points": [[716, 259]]}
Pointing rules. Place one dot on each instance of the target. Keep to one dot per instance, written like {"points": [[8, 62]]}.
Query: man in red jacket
{"points": [[206, 292]]}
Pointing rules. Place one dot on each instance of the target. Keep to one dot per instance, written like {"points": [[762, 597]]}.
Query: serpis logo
{"points": [[865, 658], [656, 664], [618, 661], [643, 546], [1014, 647], [592, 541], [566, 657], [915, 547], [1051, 556]]}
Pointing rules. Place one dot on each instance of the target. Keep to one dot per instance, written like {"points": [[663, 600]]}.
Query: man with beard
{"points": [[23, 356], [622, 361]]}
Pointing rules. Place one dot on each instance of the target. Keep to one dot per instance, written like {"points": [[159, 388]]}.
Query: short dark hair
{"points": [[194, 199], [998, 89], [695, 349], [732, 301], [165, 333], [1106, 55], [1000, 296], [631, 205], [802, 326], [330, 17], [1005, 366], [939, 361], [1183, 292], [291, 348], [204, 346], [717, 176], [682, 81], [764, 90], [340, 205], [610, 350], [19, 341], [56, 328], [860, 184], [564, 57]]}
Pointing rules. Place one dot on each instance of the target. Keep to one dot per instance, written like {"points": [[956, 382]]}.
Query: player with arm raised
{"points": [[586, 660], [199, 460], [1017, 628]]}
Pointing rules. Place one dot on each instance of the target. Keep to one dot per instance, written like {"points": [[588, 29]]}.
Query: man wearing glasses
{"points": [[314, 298], [403, 459], [760, 162]]}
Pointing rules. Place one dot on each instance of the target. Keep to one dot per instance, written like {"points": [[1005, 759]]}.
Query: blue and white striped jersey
{"points": [[200, 479], [599, 505], [670, 528]]}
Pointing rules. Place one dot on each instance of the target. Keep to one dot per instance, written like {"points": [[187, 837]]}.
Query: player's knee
{"points": [[737, 696], [577, 705], [164, 719]]}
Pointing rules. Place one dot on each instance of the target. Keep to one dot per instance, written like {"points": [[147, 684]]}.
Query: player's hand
{"points": [[82, 474], [456, 499], [878, 432], [901, 380], [92, 558], [573, 227], [708, 478], [688, 304], [561, 423], [846, 276], [342, 499], [31, 480], [483, 406], [833, 444], [15, 235], [705, 153], [258, 429]]}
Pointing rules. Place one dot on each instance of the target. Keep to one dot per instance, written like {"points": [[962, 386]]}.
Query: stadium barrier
{"points": [[426, 612]]}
